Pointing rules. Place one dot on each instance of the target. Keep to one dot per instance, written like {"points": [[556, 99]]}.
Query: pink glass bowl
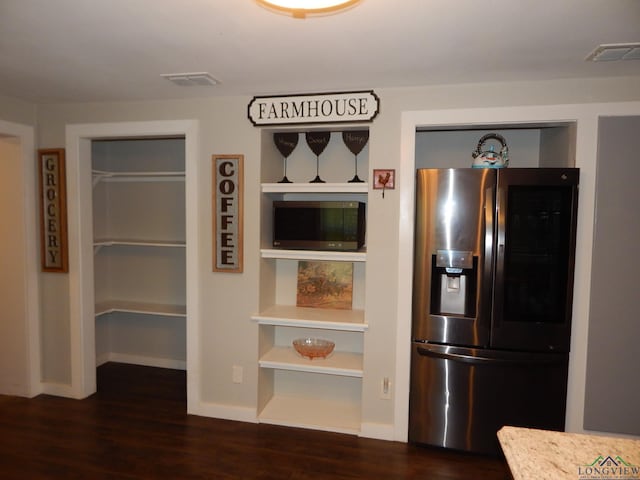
{"points": [[313, 347]]}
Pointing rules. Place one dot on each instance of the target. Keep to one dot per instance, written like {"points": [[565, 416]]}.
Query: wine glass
{"points": [[285, 143], [317, 142], [355, 142]]}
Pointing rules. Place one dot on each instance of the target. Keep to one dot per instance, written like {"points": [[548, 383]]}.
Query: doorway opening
{"points": [[98, 266], [139, 242]]}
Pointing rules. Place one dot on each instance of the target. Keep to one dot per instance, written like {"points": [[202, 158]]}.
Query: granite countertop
{"points": [[546, 455]]}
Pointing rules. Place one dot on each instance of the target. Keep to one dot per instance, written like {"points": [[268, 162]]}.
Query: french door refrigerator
{"points": [[493, 283]]}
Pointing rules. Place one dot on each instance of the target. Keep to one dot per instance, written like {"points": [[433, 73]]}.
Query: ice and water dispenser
{"points": [[454, 285]]}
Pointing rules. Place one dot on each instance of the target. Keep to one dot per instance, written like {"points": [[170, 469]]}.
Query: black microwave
{"points": [[318, 225]]}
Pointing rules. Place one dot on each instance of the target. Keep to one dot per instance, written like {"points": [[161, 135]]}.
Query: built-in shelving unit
{"points": [[323, 394], [140, 249]]}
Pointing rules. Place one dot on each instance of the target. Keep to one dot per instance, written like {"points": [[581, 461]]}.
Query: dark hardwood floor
{"points": [[136, 427]]}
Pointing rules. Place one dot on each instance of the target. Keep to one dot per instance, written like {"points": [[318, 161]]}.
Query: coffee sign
{"points": [[227, 213], [314, 108]]}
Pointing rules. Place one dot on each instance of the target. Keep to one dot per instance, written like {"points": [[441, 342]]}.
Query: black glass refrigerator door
{"points": [[535, 240], [460, 397]]}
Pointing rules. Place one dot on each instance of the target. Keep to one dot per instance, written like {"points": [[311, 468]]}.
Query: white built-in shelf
{"points": [[319, 255], [322, 318], [102, 175], [102, 308], [315, 187], [345, 364], [312, 413], [110, 242]]}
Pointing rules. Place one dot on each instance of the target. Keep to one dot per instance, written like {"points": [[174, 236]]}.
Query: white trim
{"points": [[81, 300], [315, 187], [103, 358], [379, 431], [57, 389], [586, 118], [193, 262], [320, 255], [141, 360], [32, 308], [405, 280], [226, 412]]}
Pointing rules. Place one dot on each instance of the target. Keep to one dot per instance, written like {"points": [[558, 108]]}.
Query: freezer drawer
{"points": [[460, 397]]}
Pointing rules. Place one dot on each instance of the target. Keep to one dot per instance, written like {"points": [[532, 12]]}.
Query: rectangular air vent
{"points": [[615, 51], [194, 79]]}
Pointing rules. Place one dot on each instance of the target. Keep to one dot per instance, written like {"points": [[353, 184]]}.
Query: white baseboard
{"points": [[64, 390], [226, 412], [140, 360], [58, 390], [20, 391], [379, 431], [102, 359]]}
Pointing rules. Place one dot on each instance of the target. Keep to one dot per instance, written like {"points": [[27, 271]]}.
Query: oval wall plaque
{"points": [[341, 107]]}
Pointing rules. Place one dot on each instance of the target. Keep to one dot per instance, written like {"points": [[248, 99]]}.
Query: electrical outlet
{"points": [[236, 374], [385, 388]]}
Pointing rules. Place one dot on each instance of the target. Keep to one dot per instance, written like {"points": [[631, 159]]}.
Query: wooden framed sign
{"points": [[227, 199], [54, 251]]}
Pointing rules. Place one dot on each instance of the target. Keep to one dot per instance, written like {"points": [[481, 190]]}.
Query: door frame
{"points": [[80, 225], [25, 136], [585, 116]]}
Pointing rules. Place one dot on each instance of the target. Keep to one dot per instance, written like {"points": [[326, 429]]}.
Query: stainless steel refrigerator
{"points": [[493, 283]]}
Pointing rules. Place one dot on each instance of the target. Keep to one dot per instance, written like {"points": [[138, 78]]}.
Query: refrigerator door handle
{"points": [[501, 207], [489, 212], [488, 217], [507, 360], [487, 286]]}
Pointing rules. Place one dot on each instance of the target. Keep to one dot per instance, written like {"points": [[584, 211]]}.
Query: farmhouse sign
{"points": [[227, 212], [314, 108], [53, 210]]}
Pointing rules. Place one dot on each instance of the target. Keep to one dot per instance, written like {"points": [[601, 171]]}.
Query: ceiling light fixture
{"points": [[302, 8]]}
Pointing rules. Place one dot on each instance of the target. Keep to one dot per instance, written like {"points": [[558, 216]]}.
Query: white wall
{"points": [[227, 336], [18, 111], [452, 149]]}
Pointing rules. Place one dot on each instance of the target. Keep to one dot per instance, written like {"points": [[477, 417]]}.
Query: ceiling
{"points": [[54, 51]]}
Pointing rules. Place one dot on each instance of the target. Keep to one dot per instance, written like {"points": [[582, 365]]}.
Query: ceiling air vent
{"points": [[615, 51], [195, 79]]}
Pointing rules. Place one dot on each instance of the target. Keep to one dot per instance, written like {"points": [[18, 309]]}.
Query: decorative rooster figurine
{"points": [[383, 181]]}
